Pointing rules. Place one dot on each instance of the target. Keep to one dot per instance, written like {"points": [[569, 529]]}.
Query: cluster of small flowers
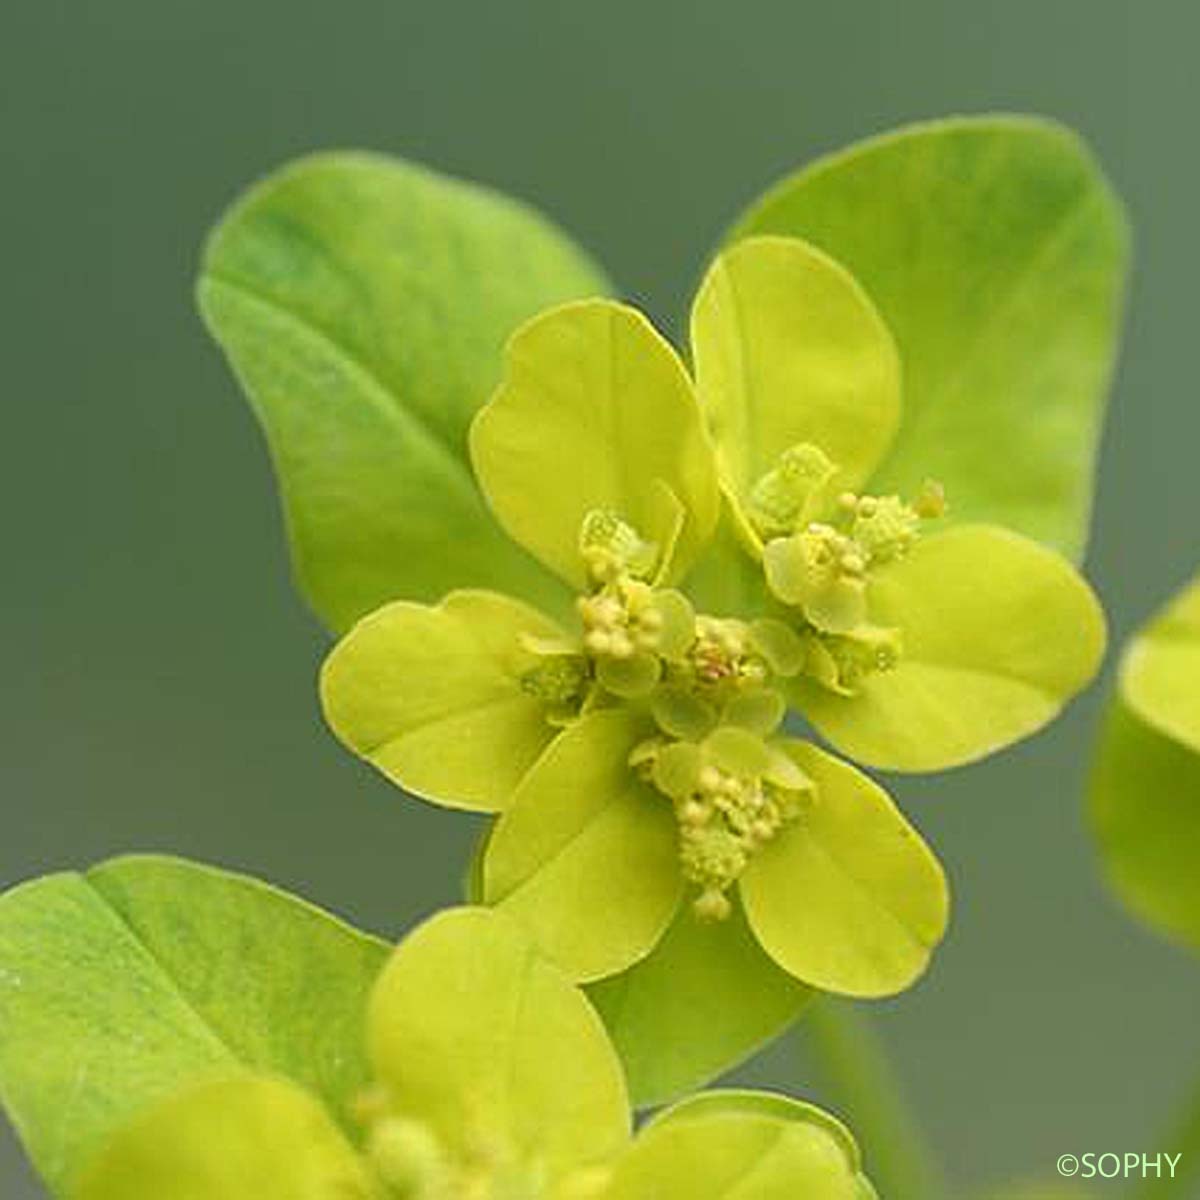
{"points": [[821, 568], [723, 823], [621, 620], [885, 527]]}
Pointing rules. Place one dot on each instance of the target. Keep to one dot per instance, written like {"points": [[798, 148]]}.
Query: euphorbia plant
{"points": [[614, 598]]}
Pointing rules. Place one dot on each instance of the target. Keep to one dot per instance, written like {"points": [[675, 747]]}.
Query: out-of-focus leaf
{"points": [[247, 1138], [1160, 673], [1145, 807], [738, 1146], [123, 985], [476, 1034]]}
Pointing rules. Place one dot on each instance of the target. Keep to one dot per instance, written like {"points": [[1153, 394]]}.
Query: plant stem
{"points": [[851, 1054], [1182, 1138]]}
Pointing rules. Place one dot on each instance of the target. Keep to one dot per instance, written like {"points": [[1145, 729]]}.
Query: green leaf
{"points": [[848, 898], [1160, 673], [739, 1146], [363, 304], [123, 985], [705, 999], [790, 350], [238, 1139], [585, 857], [998, 633], [475, 1034], [596, 413], [434, 698], [997, 254], [1145, 808]]}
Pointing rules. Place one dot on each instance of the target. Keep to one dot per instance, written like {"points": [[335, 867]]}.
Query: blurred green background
{"points": [[158, 671]]}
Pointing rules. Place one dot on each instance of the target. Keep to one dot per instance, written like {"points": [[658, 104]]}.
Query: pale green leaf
{"points": [[247, 1138], [596, 414], [434, 697], [847, 898], [123, 985], [1145, 805], [363, 304], [738, 1146], [997, 634], [476, 1034], [705, 999], [1160, 672], [585, 856], [997, 253], [790, 350]]}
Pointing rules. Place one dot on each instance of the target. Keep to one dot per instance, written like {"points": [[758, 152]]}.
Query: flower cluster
{"points": [[730, 563], [706, 684]]}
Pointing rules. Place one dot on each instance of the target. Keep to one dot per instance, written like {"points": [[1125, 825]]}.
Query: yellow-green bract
{"points": [[1146, 782], [172, 1030]]}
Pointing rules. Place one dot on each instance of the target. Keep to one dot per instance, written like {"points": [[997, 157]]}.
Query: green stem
{"points": [[1183, 1138], [851, 1054]]}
